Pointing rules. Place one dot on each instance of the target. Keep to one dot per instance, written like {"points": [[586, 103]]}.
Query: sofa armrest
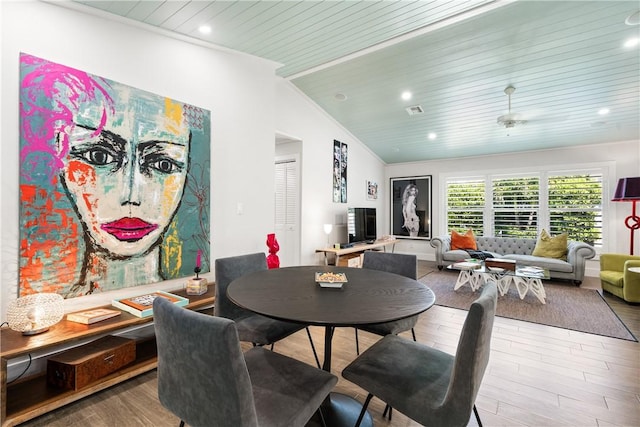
{"points": [[442, 245], [577, 255], [631, 288]]}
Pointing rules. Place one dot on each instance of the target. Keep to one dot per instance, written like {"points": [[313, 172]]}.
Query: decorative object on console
{"points": [[328, 228], [36, 313], [142, 305], [411, 207], [272, 259], [197, 285], [628, 190], [80, 366], [95, 315]]}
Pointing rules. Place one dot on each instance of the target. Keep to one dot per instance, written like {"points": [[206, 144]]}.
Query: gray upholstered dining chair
{"points": [[404, 265], [206, 380], [254, 328], [427, 385]]}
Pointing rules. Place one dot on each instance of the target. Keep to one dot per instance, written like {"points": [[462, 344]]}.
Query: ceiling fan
{"points": [[510, 119]]}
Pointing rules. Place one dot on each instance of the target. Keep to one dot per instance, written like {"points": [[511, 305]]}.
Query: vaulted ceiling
{"points": [[567, 61]]}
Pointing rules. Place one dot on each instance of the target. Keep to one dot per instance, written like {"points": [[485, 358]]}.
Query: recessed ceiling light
{"points": [[340, 96], [632, 42], [204, 29], [432, 135], [603, 111], [406, 95]]}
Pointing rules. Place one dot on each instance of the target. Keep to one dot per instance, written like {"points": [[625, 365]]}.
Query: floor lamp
{"points": [[628, 190]]}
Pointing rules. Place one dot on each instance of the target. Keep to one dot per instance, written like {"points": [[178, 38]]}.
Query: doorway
{"points": [[287, 201]]}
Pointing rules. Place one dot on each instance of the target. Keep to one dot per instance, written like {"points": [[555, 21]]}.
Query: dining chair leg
{"points": [[313, 347], [387, 408], [357, 344], [413, 332], [181, 423], [364, 410], [475, 411]]}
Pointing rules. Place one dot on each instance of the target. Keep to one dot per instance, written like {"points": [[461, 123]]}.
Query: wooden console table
{"points": [[357, 248], [31, 397]]}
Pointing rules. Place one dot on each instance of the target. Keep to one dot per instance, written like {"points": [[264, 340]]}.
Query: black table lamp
{"points": [[628, 190]]}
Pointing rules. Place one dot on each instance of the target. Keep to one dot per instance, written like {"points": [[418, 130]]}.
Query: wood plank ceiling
{"points": [[566, 60]]}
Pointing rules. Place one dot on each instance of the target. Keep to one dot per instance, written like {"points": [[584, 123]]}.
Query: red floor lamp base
{"points": [[633, 223]]}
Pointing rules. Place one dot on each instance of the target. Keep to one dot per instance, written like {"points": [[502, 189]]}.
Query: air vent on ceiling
{"points": [[415, 109]]}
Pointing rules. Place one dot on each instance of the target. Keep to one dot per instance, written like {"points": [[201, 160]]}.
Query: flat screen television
{"points": [[361, 225]]}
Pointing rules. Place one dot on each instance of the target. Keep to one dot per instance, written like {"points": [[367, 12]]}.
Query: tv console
{"points": [[356, 248], [30, 397]]}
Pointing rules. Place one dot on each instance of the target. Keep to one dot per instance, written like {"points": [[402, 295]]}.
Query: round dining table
{"points": [[367, 297]]}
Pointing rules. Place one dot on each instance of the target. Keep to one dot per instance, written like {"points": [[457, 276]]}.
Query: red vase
{"points": [[272, 259]]}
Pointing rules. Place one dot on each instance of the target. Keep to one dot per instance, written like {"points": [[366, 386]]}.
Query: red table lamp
{"points": [[628, 190]]}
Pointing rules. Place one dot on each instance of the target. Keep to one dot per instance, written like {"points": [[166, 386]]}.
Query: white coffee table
{"points": [[524, 279]]}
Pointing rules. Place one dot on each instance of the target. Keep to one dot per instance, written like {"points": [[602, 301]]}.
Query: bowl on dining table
{"points": [[331, 280]]}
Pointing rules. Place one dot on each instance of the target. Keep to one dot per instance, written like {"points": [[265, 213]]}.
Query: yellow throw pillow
{"points": [[551, 246], [463, 241]]}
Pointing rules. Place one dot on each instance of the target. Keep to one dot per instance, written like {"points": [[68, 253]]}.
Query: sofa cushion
{"points": [[506, 245], [551, 246], [463, 241], [550, 264], [614, 278]]}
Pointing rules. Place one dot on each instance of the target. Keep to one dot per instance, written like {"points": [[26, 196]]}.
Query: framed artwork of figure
{"points": [[411, 207]]}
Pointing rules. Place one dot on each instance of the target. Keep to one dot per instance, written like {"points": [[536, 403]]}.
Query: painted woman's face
{"points": [[127, 179]]}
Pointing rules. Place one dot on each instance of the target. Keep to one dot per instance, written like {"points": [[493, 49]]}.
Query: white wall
{"points": [[240, 92], [298, 117], [622, 159]]}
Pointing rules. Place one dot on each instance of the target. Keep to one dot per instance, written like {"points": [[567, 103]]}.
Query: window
{"points": [[515, 206], [465, 205], [522, 205], [575, 206]]}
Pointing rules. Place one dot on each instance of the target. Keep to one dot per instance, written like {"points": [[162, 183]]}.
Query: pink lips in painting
{"points": [[129, 229]]}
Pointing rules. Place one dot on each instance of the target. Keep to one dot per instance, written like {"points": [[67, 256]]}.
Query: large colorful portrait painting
{"points": [[114, 183]]}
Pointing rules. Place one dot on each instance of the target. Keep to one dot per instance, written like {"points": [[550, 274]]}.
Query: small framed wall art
{"points": [[372, 190], [339, 172], [411, 207]]}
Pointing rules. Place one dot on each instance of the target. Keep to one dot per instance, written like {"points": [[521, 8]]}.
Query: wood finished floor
{"points": [[537, 376]]}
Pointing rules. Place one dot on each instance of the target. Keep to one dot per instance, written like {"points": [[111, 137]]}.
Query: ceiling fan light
{"points": [[633, 19]]}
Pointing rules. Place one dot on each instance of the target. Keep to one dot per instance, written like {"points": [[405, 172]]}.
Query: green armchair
{"points": [[616, 277]]}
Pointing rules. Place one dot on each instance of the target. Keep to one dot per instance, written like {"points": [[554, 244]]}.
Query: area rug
{"points": [[567, 306]]}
